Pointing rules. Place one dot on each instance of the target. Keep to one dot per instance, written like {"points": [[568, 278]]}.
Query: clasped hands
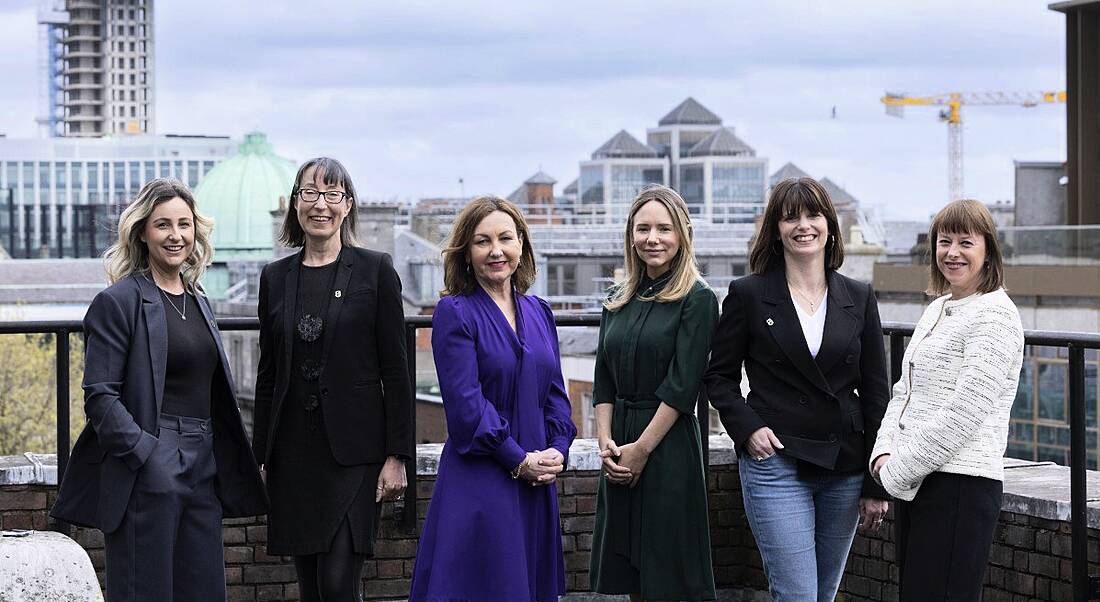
{"points": [[623, 465], [542, 467]]}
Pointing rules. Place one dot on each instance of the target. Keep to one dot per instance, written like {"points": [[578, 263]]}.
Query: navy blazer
{"points": [[125, 352], [811, 403], [366, 389]]}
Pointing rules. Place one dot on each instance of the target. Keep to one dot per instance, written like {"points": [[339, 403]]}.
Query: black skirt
{"points": [[311, 493]]}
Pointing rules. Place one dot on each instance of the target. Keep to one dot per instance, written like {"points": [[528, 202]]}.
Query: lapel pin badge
{"points": [[770, 322], [338, 293]]}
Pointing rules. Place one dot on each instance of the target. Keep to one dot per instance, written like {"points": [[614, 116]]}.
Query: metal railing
{"points": [[1075, 342]]}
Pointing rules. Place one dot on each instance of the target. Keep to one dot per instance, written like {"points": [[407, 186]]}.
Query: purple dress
{"points": [[488, 536]]}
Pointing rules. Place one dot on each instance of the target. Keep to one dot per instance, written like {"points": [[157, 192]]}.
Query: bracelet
{"points": [[519, 469]]}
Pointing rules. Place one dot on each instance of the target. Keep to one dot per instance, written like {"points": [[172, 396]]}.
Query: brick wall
{"points": [[1030, 557]]}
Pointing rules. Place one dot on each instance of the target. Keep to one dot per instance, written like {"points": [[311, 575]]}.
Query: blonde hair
{"points": [[684, 271], [458, 279], [129, 254], [967, 217]]}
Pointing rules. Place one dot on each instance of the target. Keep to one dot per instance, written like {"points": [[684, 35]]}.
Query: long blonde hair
{"points": [[684, 271], [129, 254]]}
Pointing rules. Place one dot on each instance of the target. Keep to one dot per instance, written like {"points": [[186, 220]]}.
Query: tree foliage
{"points": [[28, 411]]}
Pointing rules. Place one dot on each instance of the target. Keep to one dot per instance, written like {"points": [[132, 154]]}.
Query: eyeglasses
{"points": [[332, 197]]}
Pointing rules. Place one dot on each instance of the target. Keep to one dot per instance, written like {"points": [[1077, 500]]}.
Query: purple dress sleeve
{"points": [[560, 429], [473, 425]]}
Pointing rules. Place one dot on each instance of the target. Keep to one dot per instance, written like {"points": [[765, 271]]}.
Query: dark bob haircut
{"points": [[332, 173]]}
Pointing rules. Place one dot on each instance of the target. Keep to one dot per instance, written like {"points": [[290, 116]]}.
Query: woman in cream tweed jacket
{"points": [[940, 445]]}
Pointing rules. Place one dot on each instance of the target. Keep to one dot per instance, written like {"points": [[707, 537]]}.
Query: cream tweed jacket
{"points": [[950, 410]]}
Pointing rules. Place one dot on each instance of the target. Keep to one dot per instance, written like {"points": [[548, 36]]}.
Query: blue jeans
{"points": [[804, 525]]}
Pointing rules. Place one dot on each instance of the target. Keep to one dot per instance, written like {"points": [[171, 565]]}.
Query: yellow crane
{"points": [[951, 105]]}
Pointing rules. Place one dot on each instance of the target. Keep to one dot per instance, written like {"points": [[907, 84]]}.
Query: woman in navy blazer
{"points": [[164, 456], [811, 343]]}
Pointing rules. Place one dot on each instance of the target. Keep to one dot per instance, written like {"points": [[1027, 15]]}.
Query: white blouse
{"points": [[813, 325]]}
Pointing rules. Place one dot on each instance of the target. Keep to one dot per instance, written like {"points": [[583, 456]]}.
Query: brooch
{"points": [[770, 322], [310, 327]]}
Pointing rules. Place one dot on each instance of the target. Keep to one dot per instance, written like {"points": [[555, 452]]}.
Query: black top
{"points": [[301, 428], [192, 358]]}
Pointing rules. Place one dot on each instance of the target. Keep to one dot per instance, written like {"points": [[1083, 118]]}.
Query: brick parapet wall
{"points": [[1029, 560]]}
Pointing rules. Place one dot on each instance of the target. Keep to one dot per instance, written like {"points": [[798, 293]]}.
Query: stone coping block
{"points": [[1038, 489]]}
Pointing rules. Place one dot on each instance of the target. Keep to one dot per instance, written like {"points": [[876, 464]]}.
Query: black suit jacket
{"points": [[811, 403], [125, 353], [366, 394]]}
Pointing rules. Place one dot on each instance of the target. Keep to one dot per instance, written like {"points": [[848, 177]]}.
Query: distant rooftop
{"points": [[571, 188], [690, 112], [721, 142], [622, 146], [788, 171], [841, 198], [540, 177]]}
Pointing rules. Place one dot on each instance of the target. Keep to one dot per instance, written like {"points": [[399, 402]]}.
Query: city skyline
{"points": [[412, 98]]}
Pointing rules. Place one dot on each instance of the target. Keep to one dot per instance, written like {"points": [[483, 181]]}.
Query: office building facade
{"points": [[719, 175], [65, 194]]}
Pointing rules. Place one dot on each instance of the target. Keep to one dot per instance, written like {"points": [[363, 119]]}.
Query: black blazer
{"points": [[811, 403], [366, 394], [125, 352]]}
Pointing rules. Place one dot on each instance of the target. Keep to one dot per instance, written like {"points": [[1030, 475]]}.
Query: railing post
{"points": [[61, 376], [897, 350], [1079, 542], [702, 413], [409, 508]]}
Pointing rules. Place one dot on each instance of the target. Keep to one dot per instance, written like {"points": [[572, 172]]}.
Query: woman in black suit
{"points": [[164, 456], [333, 423], [811, 343]]}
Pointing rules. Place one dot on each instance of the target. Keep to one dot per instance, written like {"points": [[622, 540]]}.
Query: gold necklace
{"points": [[805, 297]]}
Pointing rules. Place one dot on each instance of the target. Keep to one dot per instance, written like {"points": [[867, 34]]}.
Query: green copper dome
{"points": [[240, 193]]}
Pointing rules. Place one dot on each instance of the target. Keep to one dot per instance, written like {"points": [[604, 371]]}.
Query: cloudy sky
{"points": [[414, 95]]}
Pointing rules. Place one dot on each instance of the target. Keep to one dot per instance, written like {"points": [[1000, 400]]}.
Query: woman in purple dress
{"points": [[492, 530]]}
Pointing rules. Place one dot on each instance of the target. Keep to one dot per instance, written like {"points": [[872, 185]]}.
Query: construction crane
{"points": [[951, 112]]}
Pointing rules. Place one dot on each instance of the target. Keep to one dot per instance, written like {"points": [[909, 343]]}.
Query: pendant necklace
{"points": [[183, 314]]}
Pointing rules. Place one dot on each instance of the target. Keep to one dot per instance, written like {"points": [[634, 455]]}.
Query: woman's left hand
{"points": [[391, 481], [633, 457], [872, 511]]}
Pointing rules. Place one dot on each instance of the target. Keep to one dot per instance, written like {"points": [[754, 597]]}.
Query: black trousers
{"points": [[169, 545], [943, 537]]}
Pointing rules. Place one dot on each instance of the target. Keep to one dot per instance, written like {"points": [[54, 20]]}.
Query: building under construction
{"points": [[96, 61]]}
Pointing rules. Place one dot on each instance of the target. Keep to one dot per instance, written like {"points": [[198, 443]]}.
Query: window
{"points": [[691, 187], [591, 185]]}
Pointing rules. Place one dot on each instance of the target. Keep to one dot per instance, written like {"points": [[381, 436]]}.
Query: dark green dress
{"points": [[654, 539]]}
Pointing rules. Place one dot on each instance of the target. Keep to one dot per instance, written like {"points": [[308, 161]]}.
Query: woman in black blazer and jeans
{"points": [[811, 343], [333, 399]]}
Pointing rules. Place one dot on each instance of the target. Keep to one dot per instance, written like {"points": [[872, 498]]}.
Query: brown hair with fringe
{"points": [[790, 198], [967, 216]]}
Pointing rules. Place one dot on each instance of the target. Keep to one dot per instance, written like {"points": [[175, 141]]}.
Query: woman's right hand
{"points": [[609, 454], [762, 444], [544, 472]]}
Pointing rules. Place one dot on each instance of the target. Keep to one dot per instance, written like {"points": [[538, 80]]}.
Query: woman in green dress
{"points": [[652, 539]]}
